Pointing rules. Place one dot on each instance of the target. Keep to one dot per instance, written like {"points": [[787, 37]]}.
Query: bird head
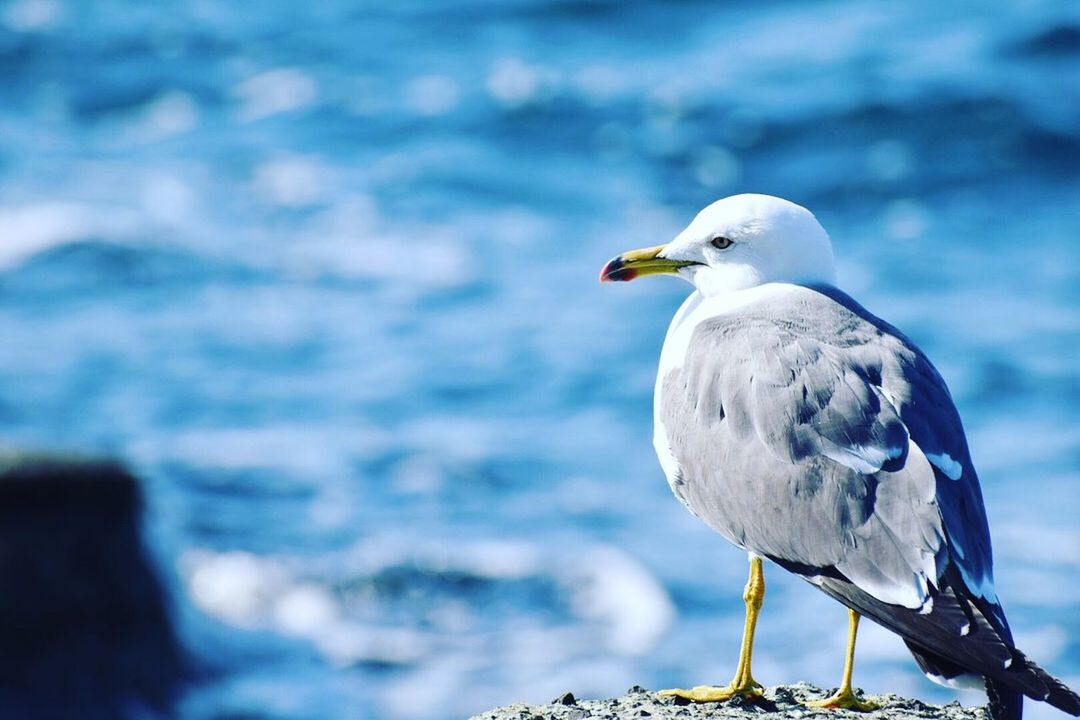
{"points": [[736, 243]]}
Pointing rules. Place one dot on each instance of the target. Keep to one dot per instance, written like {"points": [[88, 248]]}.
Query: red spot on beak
{"points": [[616, 271]]}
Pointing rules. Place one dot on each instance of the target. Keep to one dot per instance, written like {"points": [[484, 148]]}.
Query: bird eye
{"points": [[721, 243]]}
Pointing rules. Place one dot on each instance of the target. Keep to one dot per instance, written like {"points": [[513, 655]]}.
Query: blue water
{"points": [[325, 275]]}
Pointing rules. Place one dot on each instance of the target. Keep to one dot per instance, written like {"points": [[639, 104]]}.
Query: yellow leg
{"points": [[743, 683], [845, 697]]}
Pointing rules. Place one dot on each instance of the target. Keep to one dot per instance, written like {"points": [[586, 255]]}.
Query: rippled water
{"points": [[325, 273]]}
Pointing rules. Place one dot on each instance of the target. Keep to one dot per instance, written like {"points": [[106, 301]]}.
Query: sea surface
{"points": [[324, 274]]}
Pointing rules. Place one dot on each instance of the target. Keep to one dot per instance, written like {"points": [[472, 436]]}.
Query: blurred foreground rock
{"points": [[784, 701], [84, 627]]}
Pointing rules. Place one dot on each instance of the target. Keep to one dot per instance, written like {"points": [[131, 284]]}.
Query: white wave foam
{"points": [[30, 229], [292, 181], [273, 92], [235, 587], [621, 593], [167, 115], [258, 593], [619, 608], [514, 82], [33, 15]]}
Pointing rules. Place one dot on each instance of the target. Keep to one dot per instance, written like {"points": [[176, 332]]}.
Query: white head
{"points": [[739, 242]]}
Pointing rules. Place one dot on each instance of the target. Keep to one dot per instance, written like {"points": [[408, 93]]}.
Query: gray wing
{"points": [[813, 433], [926, 408]]}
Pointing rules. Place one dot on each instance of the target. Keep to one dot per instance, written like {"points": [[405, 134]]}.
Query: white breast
{"points": [[696, 309]]}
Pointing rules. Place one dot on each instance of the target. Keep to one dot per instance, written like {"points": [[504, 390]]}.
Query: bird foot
{"points": [[844, 699], [710, 693]]}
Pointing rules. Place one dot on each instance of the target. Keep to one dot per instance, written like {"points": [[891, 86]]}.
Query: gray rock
{"points": [[779, 702]]}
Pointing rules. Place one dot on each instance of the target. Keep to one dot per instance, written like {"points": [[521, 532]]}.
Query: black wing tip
{"points": [[1024, 676], [1062, 697]]}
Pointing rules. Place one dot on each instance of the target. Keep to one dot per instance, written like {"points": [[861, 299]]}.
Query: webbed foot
{"points": [[844, 699], [750, 690]]}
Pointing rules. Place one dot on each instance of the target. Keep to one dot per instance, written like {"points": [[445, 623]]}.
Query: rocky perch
{"points": [[785, 701]]}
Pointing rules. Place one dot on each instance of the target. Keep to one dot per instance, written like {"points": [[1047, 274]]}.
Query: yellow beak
{"points": [[638, 263]]}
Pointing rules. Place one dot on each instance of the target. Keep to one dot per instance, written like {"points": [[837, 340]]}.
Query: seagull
{"points": [[811, 433]]}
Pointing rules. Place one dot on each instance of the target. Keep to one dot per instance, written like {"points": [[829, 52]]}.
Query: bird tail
{"points": [[1007, 687], [1005, 702], [1053, 691]]}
